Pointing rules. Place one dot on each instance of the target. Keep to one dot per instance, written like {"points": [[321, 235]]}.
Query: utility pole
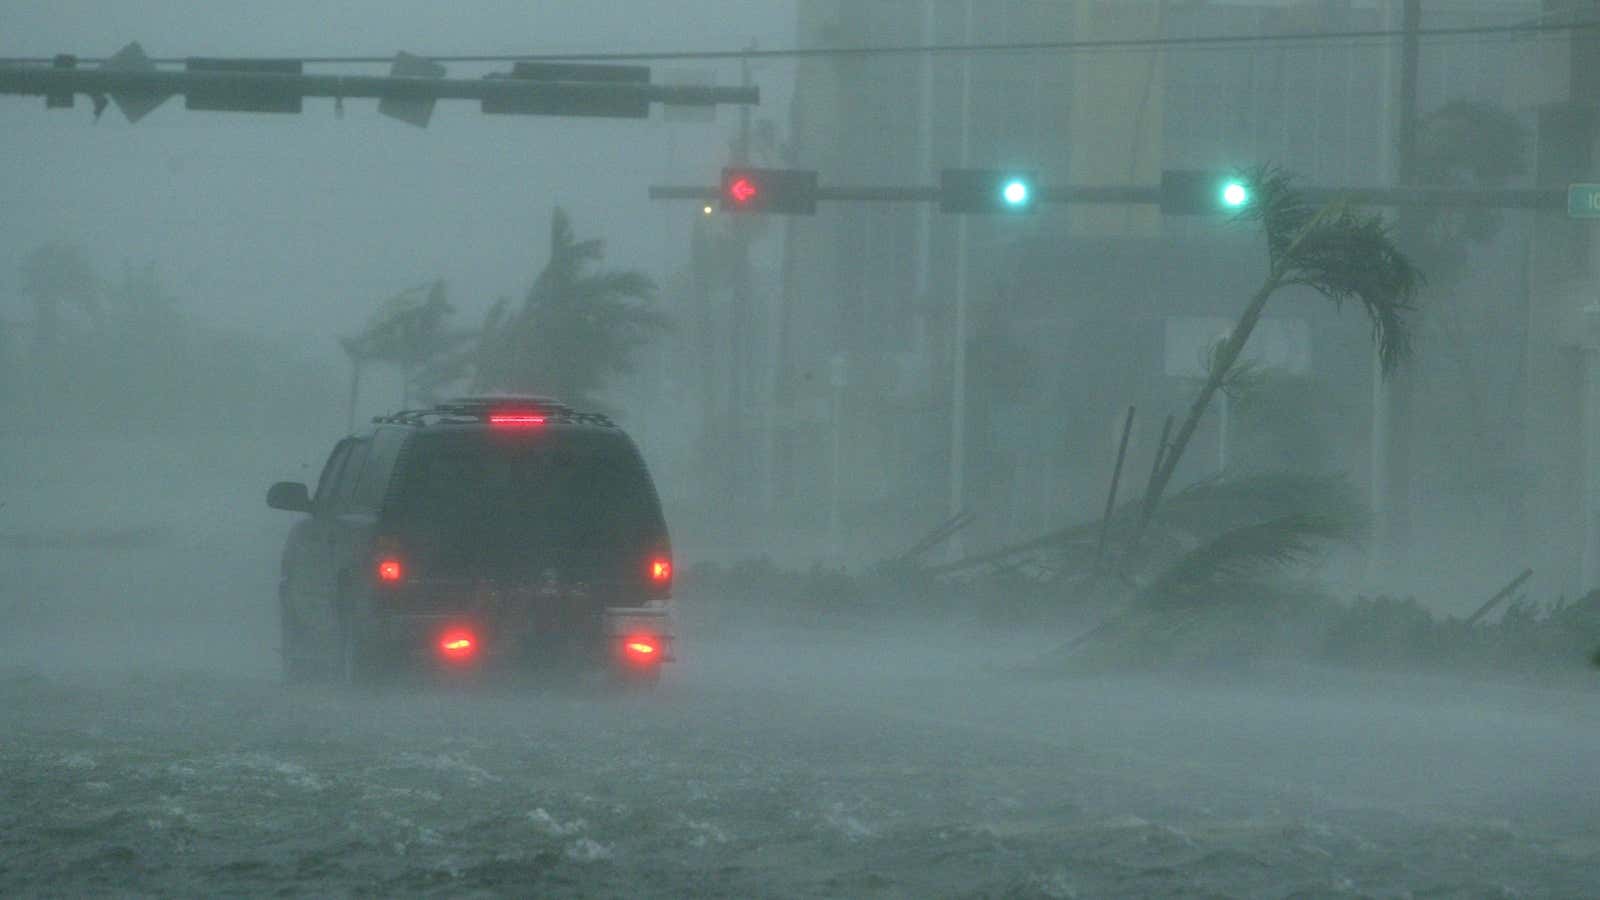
{"points": [[1393, 397], [958, 386]]}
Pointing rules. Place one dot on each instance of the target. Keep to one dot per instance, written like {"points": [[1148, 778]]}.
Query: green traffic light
{"points": [[1015, 192], [1235, 195]]}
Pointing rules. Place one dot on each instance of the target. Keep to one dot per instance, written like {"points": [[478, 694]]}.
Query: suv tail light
{"points": [[641, 649], [388, 564], [458, 645], [661, 571]]}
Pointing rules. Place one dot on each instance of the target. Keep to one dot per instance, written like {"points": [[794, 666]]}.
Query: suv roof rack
{"points": [[518, 401], [467, 410]]}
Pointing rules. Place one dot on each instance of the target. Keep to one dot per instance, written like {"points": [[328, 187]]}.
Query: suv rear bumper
{"points": [[596, 635]]}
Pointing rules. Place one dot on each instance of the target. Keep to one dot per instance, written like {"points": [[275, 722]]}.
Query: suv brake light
{"points": [[660, 570], [515, 420], [388, 565]]}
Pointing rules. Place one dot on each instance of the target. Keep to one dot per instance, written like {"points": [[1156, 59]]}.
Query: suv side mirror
{"points": [[289, 495]]}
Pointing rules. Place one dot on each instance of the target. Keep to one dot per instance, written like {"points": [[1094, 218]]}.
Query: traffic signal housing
{"points": [[988, 191], [1204, 192], [786, 191]]}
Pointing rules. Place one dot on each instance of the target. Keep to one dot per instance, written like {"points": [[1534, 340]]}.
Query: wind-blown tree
{"points": [[1465, 144], [577, 328], [57, 275], [1340, 253], [412, 332]]}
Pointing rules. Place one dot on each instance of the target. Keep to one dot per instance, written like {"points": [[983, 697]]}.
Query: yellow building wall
{"points": [[1116, 115]]}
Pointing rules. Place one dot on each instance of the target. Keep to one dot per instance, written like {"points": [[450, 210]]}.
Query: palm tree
{"points": [[54, 275], [577, 327], [411, 331], [1341, 254]]}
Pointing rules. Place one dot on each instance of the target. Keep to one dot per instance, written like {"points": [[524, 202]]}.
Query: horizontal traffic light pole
{"points": [[1501, 198], [45, 81]]}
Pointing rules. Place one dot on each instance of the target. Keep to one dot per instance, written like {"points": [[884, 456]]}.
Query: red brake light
{"points": [[390, 570], [661, 570], [515, 420], [457, 644], [640, 649]]}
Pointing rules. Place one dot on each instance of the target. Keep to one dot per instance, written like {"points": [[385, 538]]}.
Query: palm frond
{"points": [[1236, 561], [576, 327], [1208, 508], [1341, 253], [623, 283]]}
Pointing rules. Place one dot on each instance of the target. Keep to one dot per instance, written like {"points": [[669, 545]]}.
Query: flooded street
{"points": [[787, 764]]}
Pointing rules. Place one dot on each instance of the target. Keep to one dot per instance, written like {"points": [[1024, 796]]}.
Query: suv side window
{"points": [[344, 488], [330, 474], [375, 475]]}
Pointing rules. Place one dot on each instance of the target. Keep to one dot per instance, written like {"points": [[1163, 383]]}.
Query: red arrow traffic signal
{"points": [[792, 191], [742, 190]]}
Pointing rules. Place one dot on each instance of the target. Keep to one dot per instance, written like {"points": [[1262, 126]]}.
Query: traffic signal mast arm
{"points": [[1500, 198], [39, 80]]}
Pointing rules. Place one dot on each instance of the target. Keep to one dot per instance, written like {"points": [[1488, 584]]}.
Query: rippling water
{"points": [[875, 765]]}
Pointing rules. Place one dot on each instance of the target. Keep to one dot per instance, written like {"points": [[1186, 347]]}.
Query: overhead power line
{"points": [[1527, 29]]}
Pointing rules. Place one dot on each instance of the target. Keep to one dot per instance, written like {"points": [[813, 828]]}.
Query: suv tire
{"points": [[357, 663], [297, 666]]}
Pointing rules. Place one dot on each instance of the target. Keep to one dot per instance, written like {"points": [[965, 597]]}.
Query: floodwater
{"points": [[791, 764]]}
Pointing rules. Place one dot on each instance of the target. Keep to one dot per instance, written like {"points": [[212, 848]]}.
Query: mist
{"points": [[1011, 553]]}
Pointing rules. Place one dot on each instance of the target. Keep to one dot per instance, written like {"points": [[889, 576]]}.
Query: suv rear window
{"points": [[475, 497]]}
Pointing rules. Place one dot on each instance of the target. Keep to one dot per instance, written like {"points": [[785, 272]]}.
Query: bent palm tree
{"points": [[410, 331], [1337, 252], [576, 328]]}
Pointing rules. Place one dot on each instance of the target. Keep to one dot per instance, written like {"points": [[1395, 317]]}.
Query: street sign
{"points": [[556, 103], [1583, 201], [243, 94], [135, 105], [672, 112], [416, 110]]}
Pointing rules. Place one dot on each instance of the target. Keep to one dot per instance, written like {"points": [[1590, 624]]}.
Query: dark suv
{"points": [[484, 531]]}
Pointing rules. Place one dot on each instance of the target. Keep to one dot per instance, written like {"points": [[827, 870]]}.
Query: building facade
{"points": [[1071, 315]]}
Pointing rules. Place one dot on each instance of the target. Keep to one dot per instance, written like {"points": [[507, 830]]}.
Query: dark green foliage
{"points": [[576, 329], [1341, 253], [1465, 144], [1217, 505], [411, 331], [1238, 563], [1470, 141]]}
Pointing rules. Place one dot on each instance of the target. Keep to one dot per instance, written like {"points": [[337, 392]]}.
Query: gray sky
{"points": [[298, 224]]}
